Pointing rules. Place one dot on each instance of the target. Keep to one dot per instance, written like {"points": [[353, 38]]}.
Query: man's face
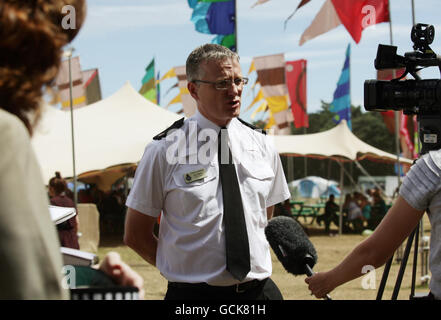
{"points": [[218, 106]]}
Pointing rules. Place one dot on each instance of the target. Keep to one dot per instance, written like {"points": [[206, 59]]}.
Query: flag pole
{"points": [[396, 113], [235, 25], [68, 53]]}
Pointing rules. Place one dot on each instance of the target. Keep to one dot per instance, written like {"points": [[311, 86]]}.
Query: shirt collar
{"points": [[204, 123]]}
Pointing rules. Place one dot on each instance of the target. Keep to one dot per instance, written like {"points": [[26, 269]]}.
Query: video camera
{"points": [[419, 97]]}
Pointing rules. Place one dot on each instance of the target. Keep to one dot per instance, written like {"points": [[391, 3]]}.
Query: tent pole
{"points": [[340, 217], [72, 127]]}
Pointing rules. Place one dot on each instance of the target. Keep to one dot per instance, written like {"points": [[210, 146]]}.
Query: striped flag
{"points": [[184, 97], [341, 105], [148, 89], [271, 76], [63, 84]]}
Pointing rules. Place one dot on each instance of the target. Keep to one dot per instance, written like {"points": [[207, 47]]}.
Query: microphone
{"points": [[291, 246]]}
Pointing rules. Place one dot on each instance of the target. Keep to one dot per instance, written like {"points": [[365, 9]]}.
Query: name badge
{"points": [[195, 175]]}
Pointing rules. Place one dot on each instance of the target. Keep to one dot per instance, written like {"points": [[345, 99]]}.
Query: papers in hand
{"points": [[76, 257], [61, 214]]}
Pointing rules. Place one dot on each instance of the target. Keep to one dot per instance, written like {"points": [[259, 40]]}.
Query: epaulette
{"points": [[175, 125], [252, 126]]}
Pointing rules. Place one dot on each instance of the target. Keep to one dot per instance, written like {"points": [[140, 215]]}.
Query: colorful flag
{"points": [[158, 89], [63, 84], [355, 15], [271, 76], [259, 2], [91, 85], [301, 4], [148, 89], [184, 97], [216, 17], [296, 84], [341, 105]]}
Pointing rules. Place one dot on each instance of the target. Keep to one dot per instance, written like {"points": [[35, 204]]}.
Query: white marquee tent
{"points": [[338, 143], [112, 131]]}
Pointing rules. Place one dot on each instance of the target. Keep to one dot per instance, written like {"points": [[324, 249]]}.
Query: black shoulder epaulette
{"points": [[252, 126], [175, 125]]}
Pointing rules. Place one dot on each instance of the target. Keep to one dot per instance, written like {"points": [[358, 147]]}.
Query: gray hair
{"points": [[205, 53]]}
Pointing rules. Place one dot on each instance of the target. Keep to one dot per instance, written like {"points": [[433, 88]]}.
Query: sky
{"points": [[120, 37]]}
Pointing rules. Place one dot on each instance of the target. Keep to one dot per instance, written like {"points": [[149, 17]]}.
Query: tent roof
{"points": [[112, 131], [338, 143]]}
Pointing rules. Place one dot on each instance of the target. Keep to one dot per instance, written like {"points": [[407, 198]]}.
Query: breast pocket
{"points": [[257, 181], [195, 191]]}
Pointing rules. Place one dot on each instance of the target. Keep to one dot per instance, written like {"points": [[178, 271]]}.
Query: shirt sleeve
{"points": [[423, 180], [279, 190], [146, 195]]}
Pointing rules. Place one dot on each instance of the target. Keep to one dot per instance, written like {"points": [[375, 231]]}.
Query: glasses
{"points": [[225, 84]]}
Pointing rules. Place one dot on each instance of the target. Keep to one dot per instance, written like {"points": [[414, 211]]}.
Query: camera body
{"points": [[416, 96]]}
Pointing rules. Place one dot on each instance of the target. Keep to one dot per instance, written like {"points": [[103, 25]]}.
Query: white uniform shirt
{"points": [[191, 246]]}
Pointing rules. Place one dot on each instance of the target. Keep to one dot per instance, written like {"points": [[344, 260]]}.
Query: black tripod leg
{"points": [[384, 278], [403, 266], [415, 261]]}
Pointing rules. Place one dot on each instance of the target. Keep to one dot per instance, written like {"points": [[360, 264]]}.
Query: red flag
{"points": [[296, 84], [357, 15]]}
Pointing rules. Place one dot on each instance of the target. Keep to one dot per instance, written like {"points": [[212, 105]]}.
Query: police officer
{"points": [[180, 176]]}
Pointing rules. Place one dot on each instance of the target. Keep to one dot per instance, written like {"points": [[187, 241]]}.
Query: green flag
{"points": [[148, 89]]}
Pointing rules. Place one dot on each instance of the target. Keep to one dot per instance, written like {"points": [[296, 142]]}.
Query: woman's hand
{"points": [[121, 273], [320, 284]]}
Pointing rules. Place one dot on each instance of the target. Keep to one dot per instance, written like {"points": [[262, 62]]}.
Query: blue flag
{"points": [[216, 17], [341, 105]]}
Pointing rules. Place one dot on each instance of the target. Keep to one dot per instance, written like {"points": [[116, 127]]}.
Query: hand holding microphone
{"points": [[292, 246]]}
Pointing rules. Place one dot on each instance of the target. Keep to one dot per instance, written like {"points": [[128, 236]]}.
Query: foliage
{"points": [[367, 126]]}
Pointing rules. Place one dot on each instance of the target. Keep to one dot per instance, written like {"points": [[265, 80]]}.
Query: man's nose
{"points": [[234, 89]]}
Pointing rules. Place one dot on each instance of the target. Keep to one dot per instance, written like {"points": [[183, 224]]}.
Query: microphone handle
{"points": [[309, 273]]}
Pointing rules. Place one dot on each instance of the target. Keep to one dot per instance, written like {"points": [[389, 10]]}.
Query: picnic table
{"points": [[301, 209]]}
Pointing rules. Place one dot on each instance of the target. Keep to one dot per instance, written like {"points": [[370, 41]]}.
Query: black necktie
{"points": [[236, 237]]}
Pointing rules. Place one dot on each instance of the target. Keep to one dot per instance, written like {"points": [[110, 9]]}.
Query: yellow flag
{"points": [[261, 108], [170, 74], [252, 67], [257, 98], [176, 99], [277, 103]]}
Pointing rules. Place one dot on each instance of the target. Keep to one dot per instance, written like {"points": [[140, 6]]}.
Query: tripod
{"points": [[413, 236]]}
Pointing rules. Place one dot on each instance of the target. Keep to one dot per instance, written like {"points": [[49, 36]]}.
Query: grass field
{"points": [[330, 250]]}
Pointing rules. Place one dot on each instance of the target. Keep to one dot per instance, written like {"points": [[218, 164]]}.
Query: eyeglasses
{"points": [[225, 84]]}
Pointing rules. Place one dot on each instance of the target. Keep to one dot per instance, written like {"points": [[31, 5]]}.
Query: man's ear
{"points": [[193, 89]]}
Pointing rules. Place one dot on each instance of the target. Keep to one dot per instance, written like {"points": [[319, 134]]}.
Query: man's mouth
{"points": [[234, 103]]}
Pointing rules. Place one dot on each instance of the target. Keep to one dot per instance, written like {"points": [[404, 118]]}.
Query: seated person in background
{"points": [[378, 208], [330, 215], [68, 230], [354, 213], [365, 205]]}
